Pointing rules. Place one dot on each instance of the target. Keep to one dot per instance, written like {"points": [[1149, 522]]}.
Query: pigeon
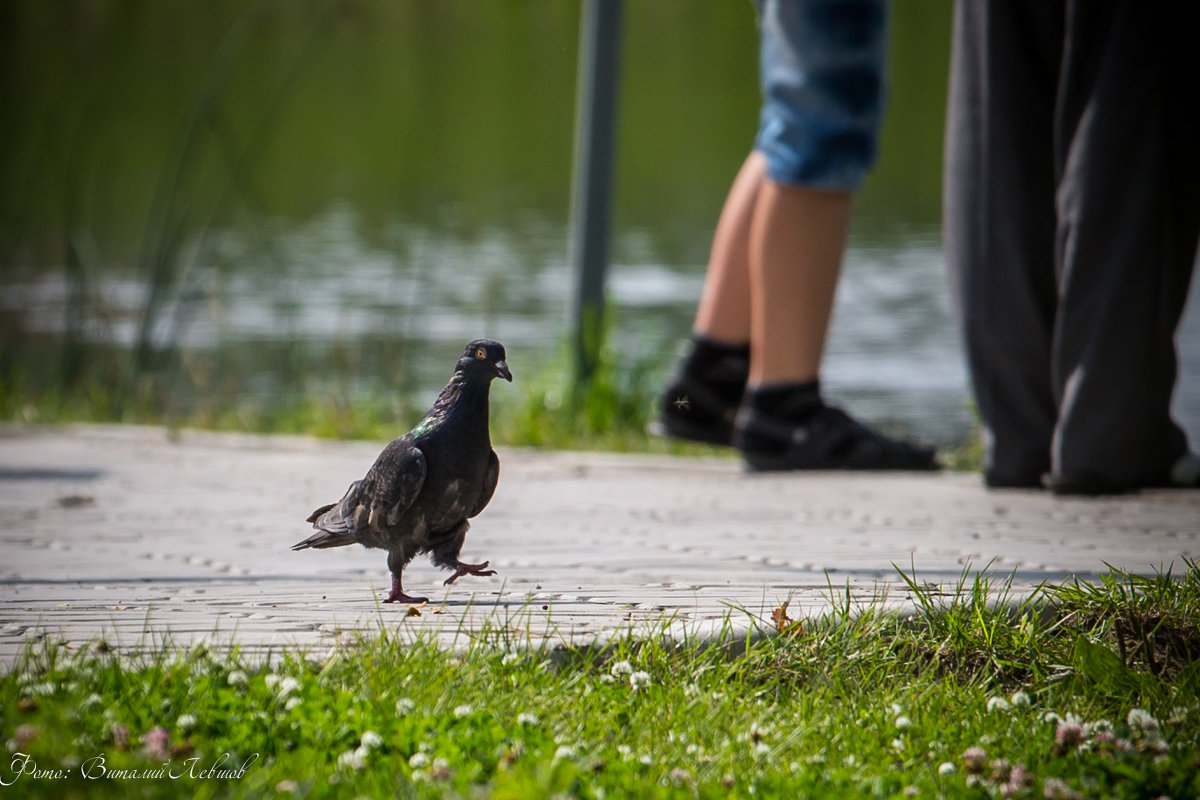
{"points": [[418, 495]]}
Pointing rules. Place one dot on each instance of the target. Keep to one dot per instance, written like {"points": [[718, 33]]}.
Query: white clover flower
{"points": [[237, 678], [607, 679], [352, 759], [286, 686], [405, 705], [625, 751], [639, 680], [292, 702], [897, 709], [371, 740], [898, 744], [1141, 720], [1070, 733], [680, 777], [564, 751], [760, 749], [186, 722], [946, 769], [1020, 699], [646, 759], [92, 700], [418, 760], [903, 723], [527, 718], [998, 704], [462, 711], [621, 668], [272, 680], [1058, 789], [1156, 747], [974, 759], [510, 658]]}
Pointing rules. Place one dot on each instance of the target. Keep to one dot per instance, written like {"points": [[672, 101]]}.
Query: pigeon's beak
{"points": [[502, 371]]}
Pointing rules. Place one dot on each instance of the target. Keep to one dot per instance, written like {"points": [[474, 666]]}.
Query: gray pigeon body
{"points": [[418, 495]]}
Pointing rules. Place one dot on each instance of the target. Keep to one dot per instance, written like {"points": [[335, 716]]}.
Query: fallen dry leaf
{"points": [[785, 624]]}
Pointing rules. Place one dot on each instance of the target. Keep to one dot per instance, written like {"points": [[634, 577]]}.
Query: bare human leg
{"points": [[796, 243], [724, 311]]}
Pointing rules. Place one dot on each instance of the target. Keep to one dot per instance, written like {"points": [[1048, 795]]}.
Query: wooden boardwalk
{"points": [[128, 536]]}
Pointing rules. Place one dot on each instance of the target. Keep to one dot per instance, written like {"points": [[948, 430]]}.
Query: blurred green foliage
{"points": [[453, 113], [137, 133]]}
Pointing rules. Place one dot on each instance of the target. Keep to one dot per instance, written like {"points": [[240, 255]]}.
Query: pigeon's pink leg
{"points": [[461, 569], [398, 595]]}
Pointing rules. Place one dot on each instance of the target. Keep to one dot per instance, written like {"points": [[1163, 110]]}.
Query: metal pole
{"points": [[592, 177]]}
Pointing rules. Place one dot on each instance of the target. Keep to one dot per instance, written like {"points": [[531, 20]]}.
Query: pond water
{"points": [[298, 193]]}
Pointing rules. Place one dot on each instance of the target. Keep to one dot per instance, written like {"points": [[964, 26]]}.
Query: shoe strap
{"points": [[700, 395]]}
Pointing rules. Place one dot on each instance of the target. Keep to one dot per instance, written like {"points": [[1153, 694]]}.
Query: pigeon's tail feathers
{"points": [[322, 539], [334, 522], [316, 515]]}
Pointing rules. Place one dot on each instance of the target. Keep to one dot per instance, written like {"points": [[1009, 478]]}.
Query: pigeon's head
{"points": [[484, 359]]}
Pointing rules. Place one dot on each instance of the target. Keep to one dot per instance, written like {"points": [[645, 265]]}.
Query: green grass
{"points": [[541, 409], [1078, 691]]}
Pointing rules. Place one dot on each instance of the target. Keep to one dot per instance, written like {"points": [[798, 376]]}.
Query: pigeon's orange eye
{"points": [[480, 352]]}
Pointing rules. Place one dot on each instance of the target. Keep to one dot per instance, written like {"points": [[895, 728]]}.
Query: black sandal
{"points": [[827, 438], [691, 410]]}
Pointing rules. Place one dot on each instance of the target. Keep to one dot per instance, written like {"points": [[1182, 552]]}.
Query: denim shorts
{"points": [[822, 73]]}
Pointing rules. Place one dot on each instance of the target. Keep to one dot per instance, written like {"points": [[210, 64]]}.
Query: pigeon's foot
{"points": [[398, 595], [461, 569]]}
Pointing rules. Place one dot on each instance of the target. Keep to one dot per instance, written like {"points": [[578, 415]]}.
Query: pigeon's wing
{"points": [[489, 484], [394, 481]]}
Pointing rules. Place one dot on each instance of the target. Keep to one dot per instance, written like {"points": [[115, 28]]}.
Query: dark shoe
{"points": [[1087, 484], [1183, 474], [693, 411], [827, 438], [701, 403], [995, 480]]}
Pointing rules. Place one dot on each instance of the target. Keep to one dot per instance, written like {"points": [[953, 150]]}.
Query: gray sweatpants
{"points": [[1072, 213]]}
